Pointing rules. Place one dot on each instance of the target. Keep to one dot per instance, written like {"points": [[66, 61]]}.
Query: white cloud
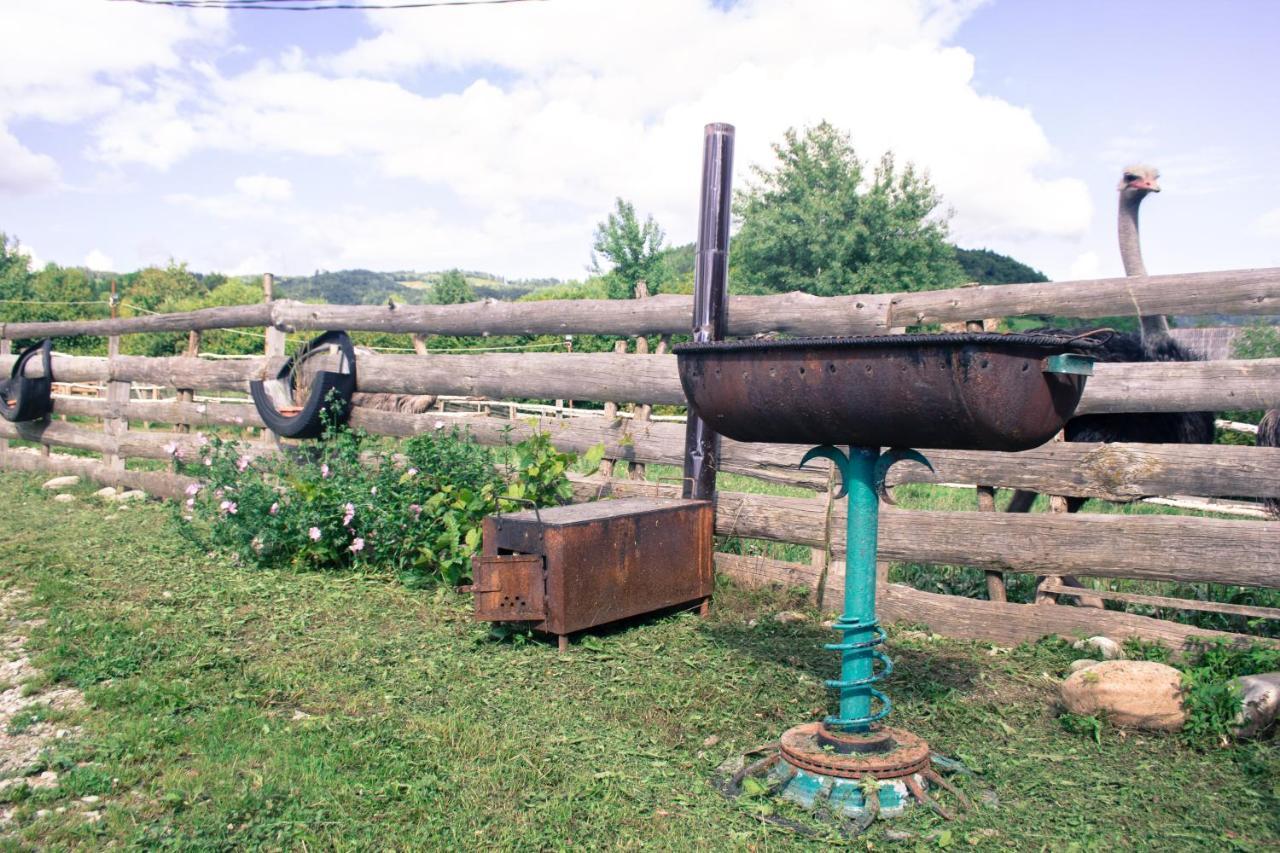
{"points": [[23, 170], [98, 260], [572, 105], [1085, 266], [1268, 224], [264, 187]]}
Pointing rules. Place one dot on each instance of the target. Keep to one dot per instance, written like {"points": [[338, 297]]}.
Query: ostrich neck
{"points": [[1131, 255]]}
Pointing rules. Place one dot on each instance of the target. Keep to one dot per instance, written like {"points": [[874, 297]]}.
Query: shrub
{"points": [[343, 503]]}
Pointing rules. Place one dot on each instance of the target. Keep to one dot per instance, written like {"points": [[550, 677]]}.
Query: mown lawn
{"points": [[230, 708]]}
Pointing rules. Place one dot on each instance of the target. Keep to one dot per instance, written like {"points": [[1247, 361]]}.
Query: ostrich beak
{"points": [[1146, 184]]}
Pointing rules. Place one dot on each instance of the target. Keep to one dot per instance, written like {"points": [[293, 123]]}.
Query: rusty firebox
{"points": [[569, 568]]}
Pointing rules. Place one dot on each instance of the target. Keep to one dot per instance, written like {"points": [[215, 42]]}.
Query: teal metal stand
{"points": [[862, 474]]}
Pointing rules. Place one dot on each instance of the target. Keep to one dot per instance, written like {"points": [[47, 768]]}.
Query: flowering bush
{"points": [[342, 503]]}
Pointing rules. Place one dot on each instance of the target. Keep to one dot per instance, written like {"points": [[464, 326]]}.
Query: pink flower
{"points": [[412, 472], [193, 489], [229, 507], [173, 450], [350, 514], [275, 508], [415, 509], [242, 463], [439, 424], [201, 440], [207, 462], [324, 469], [357, 545], [315, 534], [256, 544], [191, 503], [218, 492]]}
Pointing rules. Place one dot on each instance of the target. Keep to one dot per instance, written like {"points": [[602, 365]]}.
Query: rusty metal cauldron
{"points": [[954, 391]]}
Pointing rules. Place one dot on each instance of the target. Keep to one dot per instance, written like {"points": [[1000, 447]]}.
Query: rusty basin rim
{"points": [[800, 748], [1053, 344]]}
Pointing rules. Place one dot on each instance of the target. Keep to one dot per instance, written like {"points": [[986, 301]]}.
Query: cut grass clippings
{"points": [[229, 708]]}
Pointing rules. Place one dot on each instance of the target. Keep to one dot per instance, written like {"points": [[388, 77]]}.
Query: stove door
{"points": [[509, 588]]}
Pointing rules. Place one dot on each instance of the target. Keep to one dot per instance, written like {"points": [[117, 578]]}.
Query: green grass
{"points": [[228, 708]]}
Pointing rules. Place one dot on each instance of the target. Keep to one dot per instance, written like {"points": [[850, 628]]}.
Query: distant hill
{"points": [[987, 267], [409, 287]]}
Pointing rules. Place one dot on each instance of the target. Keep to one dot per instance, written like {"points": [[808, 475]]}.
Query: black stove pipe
{"points": [[710, 297]]}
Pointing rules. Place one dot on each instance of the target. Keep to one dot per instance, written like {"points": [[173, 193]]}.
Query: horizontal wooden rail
{"points": [[653, 379], [1168, 602], [974, 619], [1254, 291], [1168, 548], [1109, 471]]}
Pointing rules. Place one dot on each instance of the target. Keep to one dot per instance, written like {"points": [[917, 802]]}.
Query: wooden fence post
{"points": [[114, 425], [607, 466], [275, 338], [6, 348], [641, 412], [996, 590]]}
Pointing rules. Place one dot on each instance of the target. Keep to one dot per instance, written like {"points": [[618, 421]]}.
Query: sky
{"points": [[496, 137]]}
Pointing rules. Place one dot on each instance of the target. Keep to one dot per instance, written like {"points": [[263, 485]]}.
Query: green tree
{"points": [[634, 252], [815, 224], [452, 288]]}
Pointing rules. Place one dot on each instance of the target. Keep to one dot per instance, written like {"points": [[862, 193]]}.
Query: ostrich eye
{"points": [[1129, 178]]}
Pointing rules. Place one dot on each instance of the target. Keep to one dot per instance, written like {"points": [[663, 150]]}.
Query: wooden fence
{"points": [[1050, 545]]}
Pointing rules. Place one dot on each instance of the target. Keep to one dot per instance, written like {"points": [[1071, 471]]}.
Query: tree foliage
{"points": [[633, 250], [452, 289], [818, 223], [987, 267]]}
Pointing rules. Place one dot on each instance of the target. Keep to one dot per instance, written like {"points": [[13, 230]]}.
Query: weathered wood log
{"points": [[1109, 471], [228, 317], [1169, 548], [975, 619], [1165, 386], [1228, 292], [1172, 603], [1145, 387], [1251, 291], [159, 484]]}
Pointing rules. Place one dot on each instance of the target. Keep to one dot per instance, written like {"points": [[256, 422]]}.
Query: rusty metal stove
{"points": [[566, 569]]}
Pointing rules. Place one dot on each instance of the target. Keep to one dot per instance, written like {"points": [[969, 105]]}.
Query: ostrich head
{"points": [[1139, 180]]}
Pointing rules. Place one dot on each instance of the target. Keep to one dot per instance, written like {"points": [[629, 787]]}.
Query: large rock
{"points": [[65, 498], [62, 482], [1261, 703], [1133, 693], [106, 493]]}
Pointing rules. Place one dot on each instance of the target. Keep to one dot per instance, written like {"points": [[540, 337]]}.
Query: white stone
{"points": [[789, 617], [1260, 695], [91, 799], [1083, 663], [131, 495], [1133, 693], [62, 482], [106, 493], [1105, 647], [64, 498]]}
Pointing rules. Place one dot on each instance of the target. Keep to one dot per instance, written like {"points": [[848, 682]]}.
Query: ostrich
{"points": [[1269, 436], [1152, 343]]}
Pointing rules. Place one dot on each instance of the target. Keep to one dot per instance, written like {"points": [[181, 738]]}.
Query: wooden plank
{"points": [[1254, 292], [1250, 291], [974, 619], [1174, 548], [160, 484], [1165, 386], [1174, 603], [1147, 387], [1110, 471]]}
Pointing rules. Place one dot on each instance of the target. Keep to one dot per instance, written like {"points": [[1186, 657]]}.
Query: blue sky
{"points": [[496, 137]]}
